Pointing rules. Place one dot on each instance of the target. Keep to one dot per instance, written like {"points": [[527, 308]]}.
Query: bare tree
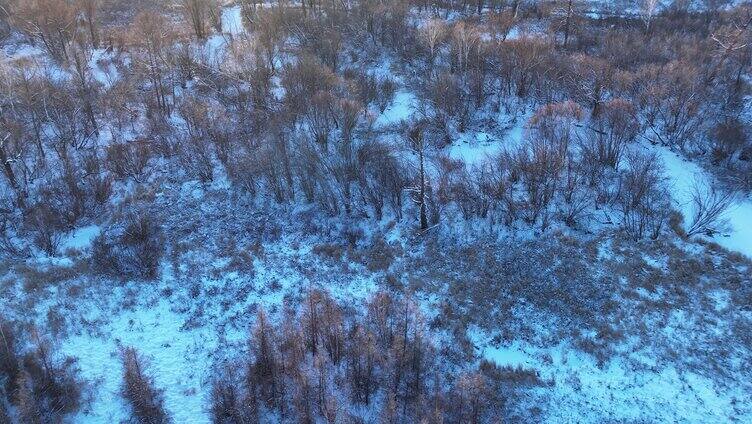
{"points": [[50, 22], [151, 34], [465, 42], [201, 14], [418, 144], [709, 204], [432, 34], [643, 198], [90, 11], [648, 9]]}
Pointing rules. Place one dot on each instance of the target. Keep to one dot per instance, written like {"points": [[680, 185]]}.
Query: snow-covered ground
{"points": [[179, 336], [683, 175], [632, 390], [232, 20]]}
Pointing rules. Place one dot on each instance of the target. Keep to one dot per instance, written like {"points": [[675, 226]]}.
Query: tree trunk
{"points": [[567, 22], [8, 169], [423, 218]]}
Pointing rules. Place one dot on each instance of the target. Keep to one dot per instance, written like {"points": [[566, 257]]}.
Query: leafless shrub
{"points": [[139, 390], [709, 203], [524, 63], [676, 223], [201, 14], [319, 117], [96, 183], [195, 152], [673, 99], [365, 86], [577, 196], [10, 360], [303, 80], [328, 250], [242, 261], [131, 249], [539, 164], [325, 43], [196, 158], [613, 129], [36, 278], [151, 35], [449, 101], [385, 93], [41, 385], [514, 375], [228, 405], [29, 410], [380, 256], [477, 190], [56, 386], [46, 224], [381, 177], [5, 29], [263, 372], [50, 22], [129, 160], [728, 138], [4, 415], [643, 198]]}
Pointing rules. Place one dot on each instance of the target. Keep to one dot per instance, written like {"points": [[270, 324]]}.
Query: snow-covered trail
{"points": [[682, 175]]}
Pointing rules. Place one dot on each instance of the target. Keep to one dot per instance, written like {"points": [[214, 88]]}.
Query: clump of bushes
{"points": [[130, 249], [145, 400], [40, 386], [380, 255]]}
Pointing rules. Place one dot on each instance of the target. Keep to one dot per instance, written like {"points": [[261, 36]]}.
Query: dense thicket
{"points": [[320, 365], [286, 111]]}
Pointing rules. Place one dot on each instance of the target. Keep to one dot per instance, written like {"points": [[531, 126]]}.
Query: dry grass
{"points": [[36, 278]]}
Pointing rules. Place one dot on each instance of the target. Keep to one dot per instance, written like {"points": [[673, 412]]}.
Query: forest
{"points": [[393, 211]]}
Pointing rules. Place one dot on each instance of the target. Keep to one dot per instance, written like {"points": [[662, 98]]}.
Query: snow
{"points": [[232, 24], [181, 337], [682, 175], [102, 69], [214, 48], [80, 238], [232, 20], [508, 356], [402, 108], [473, 148], [740, 220], [180, 358], [17, 49], [170, 354], [623, 389]]}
